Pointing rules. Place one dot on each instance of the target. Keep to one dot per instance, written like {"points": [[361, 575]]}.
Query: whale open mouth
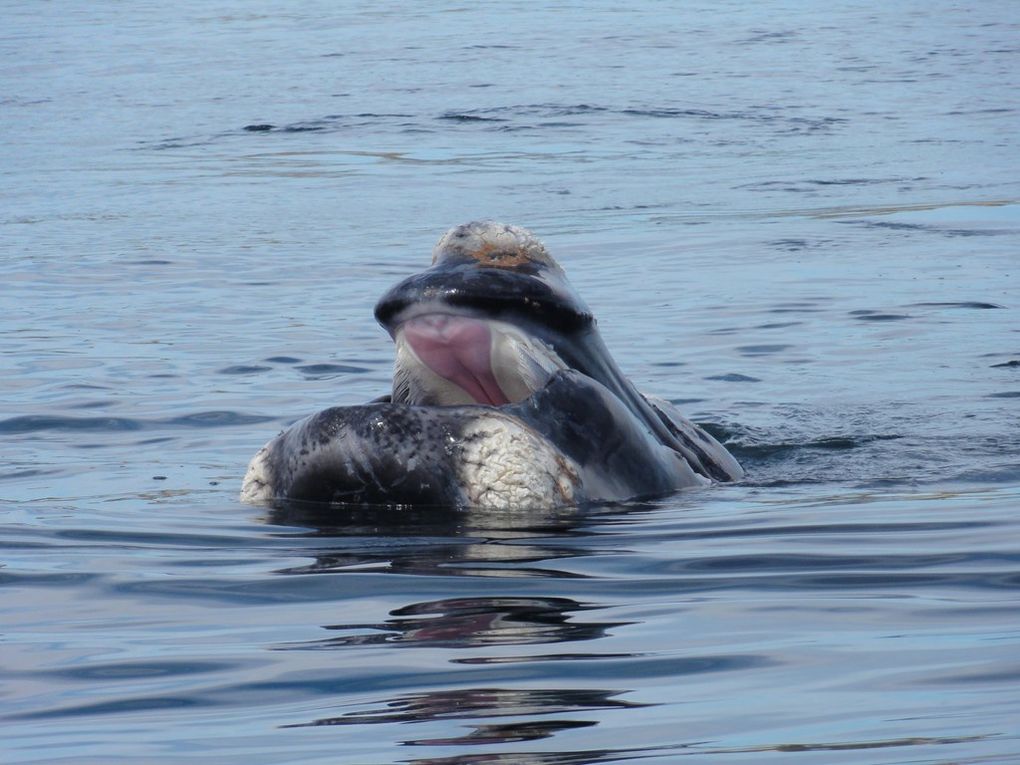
{"points": [[459, 350], [450, 358]]}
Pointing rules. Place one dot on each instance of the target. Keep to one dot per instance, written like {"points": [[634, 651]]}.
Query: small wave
{"points": [[468, 117], [547, 116], [244, 369], [762, 350], [320, 371], [215, 419], [28, 473], [327, 122], [35, 423], [964, 304], [940, 230], [734, 377], [869, 315], [783, 448], [674, 113]]}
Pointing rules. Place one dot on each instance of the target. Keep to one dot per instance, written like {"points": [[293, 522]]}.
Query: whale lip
{"points": [[415, 311], [450, 357], [458, 349], [543, 298]]}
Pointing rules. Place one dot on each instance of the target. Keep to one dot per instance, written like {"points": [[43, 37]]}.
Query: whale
{"points": [[504, 396]]}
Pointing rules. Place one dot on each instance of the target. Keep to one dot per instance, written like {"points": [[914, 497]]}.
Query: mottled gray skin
{"points": [[570, 443], [578, 432]]}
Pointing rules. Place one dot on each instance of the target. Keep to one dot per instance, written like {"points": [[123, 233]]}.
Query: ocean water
{"points": [[799, 222]]}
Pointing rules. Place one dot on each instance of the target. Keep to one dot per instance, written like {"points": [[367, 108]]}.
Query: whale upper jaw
{"points": [[449, 357]]}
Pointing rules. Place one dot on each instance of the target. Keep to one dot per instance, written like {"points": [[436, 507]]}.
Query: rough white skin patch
{"points": [[482, 238], [256, 486], [506, 466]]}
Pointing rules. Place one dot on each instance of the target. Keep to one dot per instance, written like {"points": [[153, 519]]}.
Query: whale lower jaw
{"points": [[571, 443], [399, 456], [445, 358]]}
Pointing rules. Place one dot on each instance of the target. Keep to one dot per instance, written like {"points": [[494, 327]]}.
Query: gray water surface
{"points": [[800, 223]]}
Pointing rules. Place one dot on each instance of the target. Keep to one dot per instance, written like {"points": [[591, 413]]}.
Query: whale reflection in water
{"points": [[504, 396]]}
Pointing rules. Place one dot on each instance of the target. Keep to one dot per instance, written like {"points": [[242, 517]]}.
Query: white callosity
{"points": [[505, 466], [470, 239], [258, 484]]}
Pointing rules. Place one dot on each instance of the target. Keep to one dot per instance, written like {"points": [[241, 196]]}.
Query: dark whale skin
{"points": [[394, 454]]}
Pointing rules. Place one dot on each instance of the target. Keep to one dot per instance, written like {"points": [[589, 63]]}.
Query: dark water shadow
{"points": [[444, 541], [471, 703], [693, 749], [486, 688], [472, 622]]}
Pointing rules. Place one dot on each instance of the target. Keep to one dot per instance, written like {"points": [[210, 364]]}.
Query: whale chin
{"points": [[448, 358]]}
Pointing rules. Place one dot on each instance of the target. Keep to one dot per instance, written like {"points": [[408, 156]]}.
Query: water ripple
{"points": [[38, 423]]}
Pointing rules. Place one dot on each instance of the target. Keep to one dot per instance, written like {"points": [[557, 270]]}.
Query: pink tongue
{"points": [[457, 349]]}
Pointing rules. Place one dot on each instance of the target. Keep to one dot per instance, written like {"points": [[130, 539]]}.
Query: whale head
{"points": [[489, 322]]}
